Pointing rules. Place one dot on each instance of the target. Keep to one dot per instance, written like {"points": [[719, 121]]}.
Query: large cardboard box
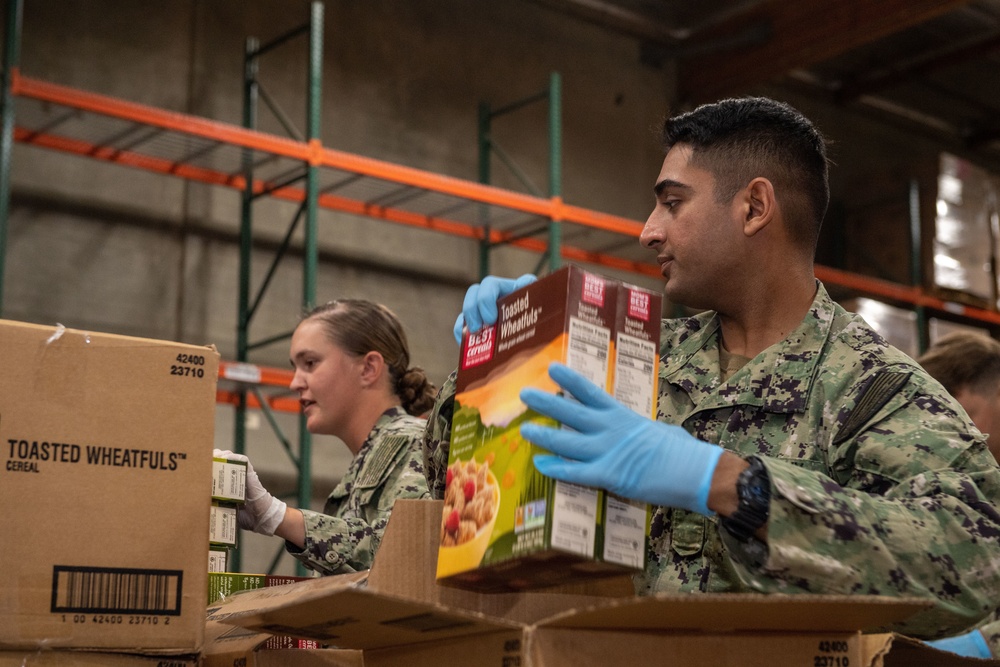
{"points": [[74, 658], [398, 615], [105, 481]]}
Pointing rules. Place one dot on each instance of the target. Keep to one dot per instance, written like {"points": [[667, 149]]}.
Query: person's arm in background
{"points": [[348, 541], [337, 544], [437, 437]]}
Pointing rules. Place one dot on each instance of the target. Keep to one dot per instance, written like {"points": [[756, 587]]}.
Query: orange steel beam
{"points": [[152, 116], [829, 275], [314, 153], [278, 403], [552, 208], [904, 293], [328, 201]]}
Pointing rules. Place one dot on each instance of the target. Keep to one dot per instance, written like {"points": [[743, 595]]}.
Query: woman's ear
{"points": [[372, 368], [761, 205]]}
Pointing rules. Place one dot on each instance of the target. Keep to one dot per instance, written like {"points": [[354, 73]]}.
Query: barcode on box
{"points": [[116, 590]]}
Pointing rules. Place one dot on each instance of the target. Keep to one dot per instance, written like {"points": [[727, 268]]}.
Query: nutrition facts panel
{"points": [[633, 369], [574, 516], [588, 350]]}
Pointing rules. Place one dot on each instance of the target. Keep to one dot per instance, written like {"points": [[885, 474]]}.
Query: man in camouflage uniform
{"points": [[345, 537], [825, 460], [967, 364]]}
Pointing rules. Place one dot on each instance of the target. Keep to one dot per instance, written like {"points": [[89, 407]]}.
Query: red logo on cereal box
{"points": [[478, 347], [638, 305], [593, 289]]}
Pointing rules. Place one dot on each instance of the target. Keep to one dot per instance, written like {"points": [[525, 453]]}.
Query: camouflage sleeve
{"points": [[910, 514], [347, 543], [437, 437]]}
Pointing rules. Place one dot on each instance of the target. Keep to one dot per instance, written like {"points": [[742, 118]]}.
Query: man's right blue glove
{"points": [[970, 645], [480, 306], [610, 446]]}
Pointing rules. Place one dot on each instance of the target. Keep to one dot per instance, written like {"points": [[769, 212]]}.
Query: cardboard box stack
{"points": [[398, 614], [229, 481], [222, 585], [228, 492], [106, 455], [505, 526]]}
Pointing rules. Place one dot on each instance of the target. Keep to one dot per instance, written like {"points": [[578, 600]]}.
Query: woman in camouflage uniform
{"points": [[354, 380]]}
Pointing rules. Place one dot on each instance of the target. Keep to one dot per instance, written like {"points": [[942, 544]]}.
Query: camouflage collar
{"points": [[778, 379]]}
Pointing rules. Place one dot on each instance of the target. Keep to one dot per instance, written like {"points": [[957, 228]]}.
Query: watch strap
{"points": [[753, 488]]}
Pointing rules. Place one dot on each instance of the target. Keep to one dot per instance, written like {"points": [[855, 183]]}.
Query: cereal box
{"points": [[635, 366], [505, 526]]}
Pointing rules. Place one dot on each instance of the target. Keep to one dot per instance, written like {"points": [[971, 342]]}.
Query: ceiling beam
{"points": [[803, 32], [867, 83]]}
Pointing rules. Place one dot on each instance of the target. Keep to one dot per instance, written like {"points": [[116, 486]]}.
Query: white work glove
{"points": [[260, 512]]}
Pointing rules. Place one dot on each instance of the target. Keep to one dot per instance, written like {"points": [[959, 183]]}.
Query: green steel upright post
{"points": [[916, 264], [250, 92], [310, 253], [555, 166], [485, 149], [11, 59]]}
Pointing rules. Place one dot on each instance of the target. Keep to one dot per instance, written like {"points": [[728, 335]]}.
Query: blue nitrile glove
{"points": [[480, 305], [614, 448], [970, 645]]}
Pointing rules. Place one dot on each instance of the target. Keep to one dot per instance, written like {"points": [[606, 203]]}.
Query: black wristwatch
{"points": [[754, 489]]}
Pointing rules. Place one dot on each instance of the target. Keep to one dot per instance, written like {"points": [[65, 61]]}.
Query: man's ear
{"points": [[372, 368], [761, 205]]}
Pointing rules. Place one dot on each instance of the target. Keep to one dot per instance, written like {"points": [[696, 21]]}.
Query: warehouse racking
{"points": [[262, 165]]}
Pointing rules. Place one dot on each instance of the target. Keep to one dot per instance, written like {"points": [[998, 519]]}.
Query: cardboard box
{"points": [[68, 658], [229, 480], [106, 448], [505, 526], [221, 585], [218, 559], [229, 646], [635, 370], [397, 614], [222, 526], [225, 584]]}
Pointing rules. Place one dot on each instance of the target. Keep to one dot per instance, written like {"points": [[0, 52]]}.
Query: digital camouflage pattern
{"points": [[345, 537], [437, 438], [898, 504]]}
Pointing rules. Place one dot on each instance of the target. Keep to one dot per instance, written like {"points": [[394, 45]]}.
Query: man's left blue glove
{"points": [[970, 645], [479, 308], [612, 447]]}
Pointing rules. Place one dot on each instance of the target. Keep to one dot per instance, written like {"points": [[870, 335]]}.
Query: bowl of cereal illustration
{"points": [[471, 500]]}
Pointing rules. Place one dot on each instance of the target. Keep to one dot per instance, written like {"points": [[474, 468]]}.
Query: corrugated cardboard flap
{"points": [[346, 614], [406, 562], [724, 613]]}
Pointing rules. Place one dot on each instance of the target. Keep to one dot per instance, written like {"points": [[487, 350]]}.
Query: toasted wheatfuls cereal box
{"points": [[505, 526], [635, 369]]}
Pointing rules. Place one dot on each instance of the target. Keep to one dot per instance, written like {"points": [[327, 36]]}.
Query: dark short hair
{"points": [[741, 139], [359, 327], [964, 360]]}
